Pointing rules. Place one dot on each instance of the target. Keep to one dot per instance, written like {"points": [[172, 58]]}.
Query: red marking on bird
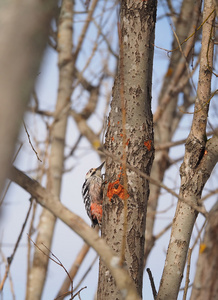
{"points": [[96, 212]]}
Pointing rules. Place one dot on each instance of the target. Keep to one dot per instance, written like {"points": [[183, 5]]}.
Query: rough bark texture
{"points": [[195, 170], [23, 37], [205, 284], [137, 38], [165, 128], [38, 272]]}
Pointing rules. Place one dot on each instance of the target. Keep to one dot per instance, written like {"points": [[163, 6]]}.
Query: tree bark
{"points": [[163, 129], [205, 284], [131, 117], [199, 161], [38, 271]]}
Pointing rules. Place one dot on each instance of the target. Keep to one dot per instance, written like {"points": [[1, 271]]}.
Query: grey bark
{"points": [[137, 38], [199, 161], [205, 284], [163, 129], [23, 37]]}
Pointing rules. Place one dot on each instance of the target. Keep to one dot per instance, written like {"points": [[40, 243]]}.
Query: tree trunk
{"points": [[130, 129], [20, 57], [199, 161], [205, 285], [165, 128], [38, 272]]}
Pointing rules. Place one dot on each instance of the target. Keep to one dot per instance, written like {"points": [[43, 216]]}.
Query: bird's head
{"points": [[95, 171]]}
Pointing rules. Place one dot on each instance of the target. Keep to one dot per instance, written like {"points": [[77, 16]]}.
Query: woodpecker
{"points": [[93, 194]]}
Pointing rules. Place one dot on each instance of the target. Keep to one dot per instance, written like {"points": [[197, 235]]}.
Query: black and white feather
{"points": [[93, 194]]}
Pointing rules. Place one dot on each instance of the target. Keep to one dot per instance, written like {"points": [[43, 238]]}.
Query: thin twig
{"points": [[105, 39], [16, 154], [206, 103], [187, 274], [8, 185], [182, 54], [191, 35], [199, 235], [9, 275], [154, 291], [74, 269], [10, 258], [78, 293], [86, 273], [209, 195], [31, 142], [75, 146], [168, 145], [157, 236], [55, 260], [85, 28], [81, 280], [175, 80]]}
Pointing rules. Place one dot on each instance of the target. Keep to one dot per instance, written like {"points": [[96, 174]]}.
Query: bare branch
{"points": [[87, 272], [52, 203], [31, 142], [56, 260], [154, 291], [74, 269], [9, 274], [85, 28]]}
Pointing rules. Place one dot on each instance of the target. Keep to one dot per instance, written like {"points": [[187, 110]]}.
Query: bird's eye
{"points": [[89, 172]]}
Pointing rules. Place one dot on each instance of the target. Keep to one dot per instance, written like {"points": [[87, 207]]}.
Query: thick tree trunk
{"points": [[205, 285], [132, 89], [23, 37]]}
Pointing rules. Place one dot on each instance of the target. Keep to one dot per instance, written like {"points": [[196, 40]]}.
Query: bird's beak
{"points": [[101, 166]]}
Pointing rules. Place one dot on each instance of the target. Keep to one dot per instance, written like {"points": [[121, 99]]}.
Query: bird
{"points": [[93, 195]]}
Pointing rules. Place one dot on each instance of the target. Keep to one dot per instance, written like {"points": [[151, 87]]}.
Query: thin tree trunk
{"points": [[163, 129], [130, 129], [199, 160], [38, 272], [205, 284]]}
